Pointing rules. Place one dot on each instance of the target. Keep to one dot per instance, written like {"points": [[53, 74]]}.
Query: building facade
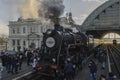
{"points": [[26, 33]]}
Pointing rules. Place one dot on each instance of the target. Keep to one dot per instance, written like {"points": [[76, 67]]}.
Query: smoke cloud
{"points": [[43, 9], [51, 9], [29, 9]]}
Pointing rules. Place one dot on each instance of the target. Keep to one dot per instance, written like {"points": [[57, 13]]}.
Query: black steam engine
{"points": [[60, 45]]}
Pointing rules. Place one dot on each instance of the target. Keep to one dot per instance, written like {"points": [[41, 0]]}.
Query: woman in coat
{"points": [[1, 69]]}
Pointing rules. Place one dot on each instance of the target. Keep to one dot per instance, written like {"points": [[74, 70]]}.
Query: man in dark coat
{"points": [[15, 64], [93, 70], [8, 63], [69, 70]]}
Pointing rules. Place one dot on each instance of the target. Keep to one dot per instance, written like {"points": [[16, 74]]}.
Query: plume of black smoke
{"points": [[45, 10], [51, 9]]}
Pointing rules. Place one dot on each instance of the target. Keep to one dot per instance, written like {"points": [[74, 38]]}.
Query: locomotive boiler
{"points": [[59, 45]]}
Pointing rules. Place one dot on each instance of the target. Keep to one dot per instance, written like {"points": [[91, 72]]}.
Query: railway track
{"points": [[32, 76], [114, 56], [37, 75]]}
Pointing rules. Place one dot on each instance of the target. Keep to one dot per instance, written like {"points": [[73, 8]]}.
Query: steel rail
{"points": [[114, 59]]}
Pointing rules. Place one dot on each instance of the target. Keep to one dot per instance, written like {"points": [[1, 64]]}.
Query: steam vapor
{"points": [[43, 9], [29, 9]]}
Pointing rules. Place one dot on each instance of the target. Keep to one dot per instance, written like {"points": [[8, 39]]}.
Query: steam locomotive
{"points": [[59, 45]]}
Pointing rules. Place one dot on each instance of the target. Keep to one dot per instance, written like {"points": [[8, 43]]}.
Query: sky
{"points": [[82, 8], [79, 8]]}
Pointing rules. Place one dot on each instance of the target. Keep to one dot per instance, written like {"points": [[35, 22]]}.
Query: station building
{"points": [[103, 21], [25, 33], [28, 33]]}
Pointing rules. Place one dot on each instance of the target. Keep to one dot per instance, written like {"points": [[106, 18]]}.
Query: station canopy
{"points": [[103, 20]]}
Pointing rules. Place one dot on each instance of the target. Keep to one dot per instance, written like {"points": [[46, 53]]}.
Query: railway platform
{"points": [[24, 71], [81, 74], [84, 74]]}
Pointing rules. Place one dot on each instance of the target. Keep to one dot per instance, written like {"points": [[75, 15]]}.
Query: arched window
{"points": [[112, 35], [13, 30], [24, 43], [24, 30], [18, 30], [18, 42], [13, 42]]}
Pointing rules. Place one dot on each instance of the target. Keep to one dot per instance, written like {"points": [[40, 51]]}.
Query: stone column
{"points": [[15, 47], [26, 41], [10, 44]]}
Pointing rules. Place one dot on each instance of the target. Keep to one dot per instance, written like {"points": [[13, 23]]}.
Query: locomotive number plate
{"points": [[50, 42]]}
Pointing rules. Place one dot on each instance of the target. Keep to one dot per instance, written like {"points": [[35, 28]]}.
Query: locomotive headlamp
{"points": [[50, 42], [54, 60]]}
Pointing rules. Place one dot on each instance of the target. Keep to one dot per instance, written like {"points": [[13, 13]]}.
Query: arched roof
{"points": [[98, 11], [105, 18]]}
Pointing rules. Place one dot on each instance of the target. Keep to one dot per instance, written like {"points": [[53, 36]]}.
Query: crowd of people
{"points": [[100, 56], [13, 63]]}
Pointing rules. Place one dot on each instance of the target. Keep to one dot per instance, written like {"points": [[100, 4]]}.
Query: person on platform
{"points": [[3, 57], [15, 64], [29, 56], [34, 63], [103, 59], [93, 69], [69, 70], [20, 60], [1, 69], [8, 63]]}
